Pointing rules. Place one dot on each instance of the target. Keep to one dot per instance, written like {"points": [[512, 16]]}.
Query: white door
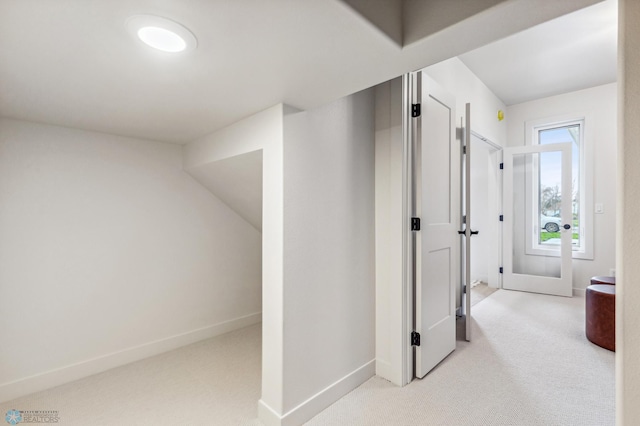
{"points": [[467, 232], [537, 191], [437, 192]]}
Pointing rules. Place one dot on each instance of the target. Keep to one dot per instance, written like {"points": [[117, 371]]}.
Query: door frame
{"points": [[410, 94], [495, 207], [410, 90]]}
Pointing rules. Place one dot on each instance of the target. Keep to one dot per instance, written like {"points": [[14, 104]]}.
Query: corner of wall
{"points": [[323, 399]]}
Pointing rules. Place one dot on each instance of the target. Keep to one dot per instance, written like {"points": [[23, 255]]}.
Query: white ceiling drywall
{"points": [[72, 63], [569, 53]]}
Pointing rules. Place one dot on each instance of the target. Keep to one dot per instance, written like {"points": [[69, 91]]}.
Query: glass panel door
{"points": [[537, 211]]}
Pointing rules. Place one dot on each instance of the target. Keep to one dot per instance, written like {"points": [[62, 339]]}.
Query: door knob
{"points": [[567, 226]]}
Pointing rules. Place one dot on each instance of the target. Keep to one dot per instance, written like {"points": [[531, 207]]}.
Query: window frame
{"points": [[533, 247]]}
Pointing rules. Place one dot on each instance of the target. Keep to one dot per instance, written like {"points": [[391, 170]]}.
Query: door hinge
{"points": [[501, 270], [501, 218], [415, 338], [415, 223], [464, 149], [464, 289], [501, 166], [464, 219], [415, 110]]}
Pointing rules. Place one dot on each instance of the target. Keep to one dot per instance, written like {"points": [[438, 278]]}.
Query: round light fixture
{"points": [[161, 33]]}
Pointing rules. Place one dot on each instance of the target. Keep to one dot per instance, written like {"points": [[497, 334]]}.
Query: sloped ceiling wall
{"points": [[237, 181]]}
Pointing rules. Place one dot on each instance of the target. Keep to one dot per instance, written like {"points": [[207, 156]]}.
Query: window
{"points": [[546, 194]]}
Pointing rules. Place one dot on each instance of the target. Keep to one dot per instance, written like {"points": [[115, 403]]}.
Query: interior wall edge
{"points": [[627, 227], [332, 393], [238, 138], [389, 265]]}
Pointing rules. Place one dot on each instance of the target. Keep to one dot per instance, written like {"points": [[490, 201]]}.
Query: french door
{"points": [[537, 189]]}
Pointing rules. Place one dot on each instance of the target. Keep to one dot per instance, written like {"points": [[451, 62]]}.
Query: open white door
{"points": [[437, 197], [537, 185], [467, 232]]}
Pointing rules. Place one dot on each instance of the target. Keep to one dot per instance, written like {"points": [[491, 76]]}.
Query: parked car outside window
{"points": [[550, 223]]}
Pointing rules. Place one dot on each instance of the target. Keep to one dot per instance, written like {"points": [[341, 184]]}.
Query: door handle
{"points": [[464, 231], [567, 226]]}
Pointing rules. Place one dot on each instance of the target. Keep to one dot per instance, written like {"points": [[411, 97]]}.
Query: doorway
{"points": [[436, 219], [484, 192]]}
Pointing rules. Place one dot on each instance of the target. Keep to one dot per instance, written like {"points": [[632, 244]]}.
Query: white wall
{"points": [[454, 76], [261, 131], [110, 253], [329, 282], [390, 321], [600, 105], [628, 226], [237, 182]]}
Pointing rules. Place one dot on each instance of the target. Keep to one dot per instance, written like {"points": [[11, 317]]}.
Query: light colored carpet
{"points": [[213, 382], [480, 291], [529, 364]]}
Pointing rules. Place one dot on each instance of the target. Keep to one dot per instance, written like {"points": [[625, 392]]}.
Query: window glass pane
{"points": [[549, 183], [525, 167]]}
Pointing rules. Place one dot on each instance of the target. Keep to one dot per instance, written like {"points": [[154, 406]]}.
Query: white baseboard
{"points": [[319, 401], [69, 373], [387, 371], [268, 415], [384, 369], [579, 292]]}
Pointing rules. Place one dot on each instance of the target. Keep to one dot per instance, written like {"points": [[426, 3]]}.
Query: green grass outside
{"points": [[544, 236]]}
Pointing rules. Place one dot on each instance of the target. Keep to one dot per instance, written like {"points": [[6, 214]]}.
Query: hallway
{"points": [[529, 364]]}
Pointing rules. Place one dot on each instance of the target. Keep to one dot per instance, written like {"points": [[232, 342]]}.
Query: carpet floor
{"points": [[212, 382], [529, 364], [480, 291]]}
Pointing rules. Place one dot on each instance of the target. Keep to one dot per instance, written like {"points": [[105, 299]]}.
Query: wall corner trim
{"points": [[268, 415], [320, 401]]}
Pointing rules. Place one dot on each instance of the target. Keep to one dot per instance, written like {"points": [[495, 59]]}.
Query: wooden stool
{"points": [[600, 315]]}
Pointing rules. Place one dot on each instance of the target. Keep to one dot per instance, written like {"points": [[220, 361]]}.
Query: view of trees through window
{"points": [[549, 184]]}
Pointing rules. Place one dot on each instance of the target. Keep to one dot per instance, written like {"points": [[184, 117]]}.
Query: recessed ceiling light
{"points": [[161, 33]]}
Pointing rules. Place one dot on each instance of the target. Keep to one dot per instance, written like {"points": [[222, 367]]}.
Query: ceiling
{"points": [[569, 53], [72, 63]]}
